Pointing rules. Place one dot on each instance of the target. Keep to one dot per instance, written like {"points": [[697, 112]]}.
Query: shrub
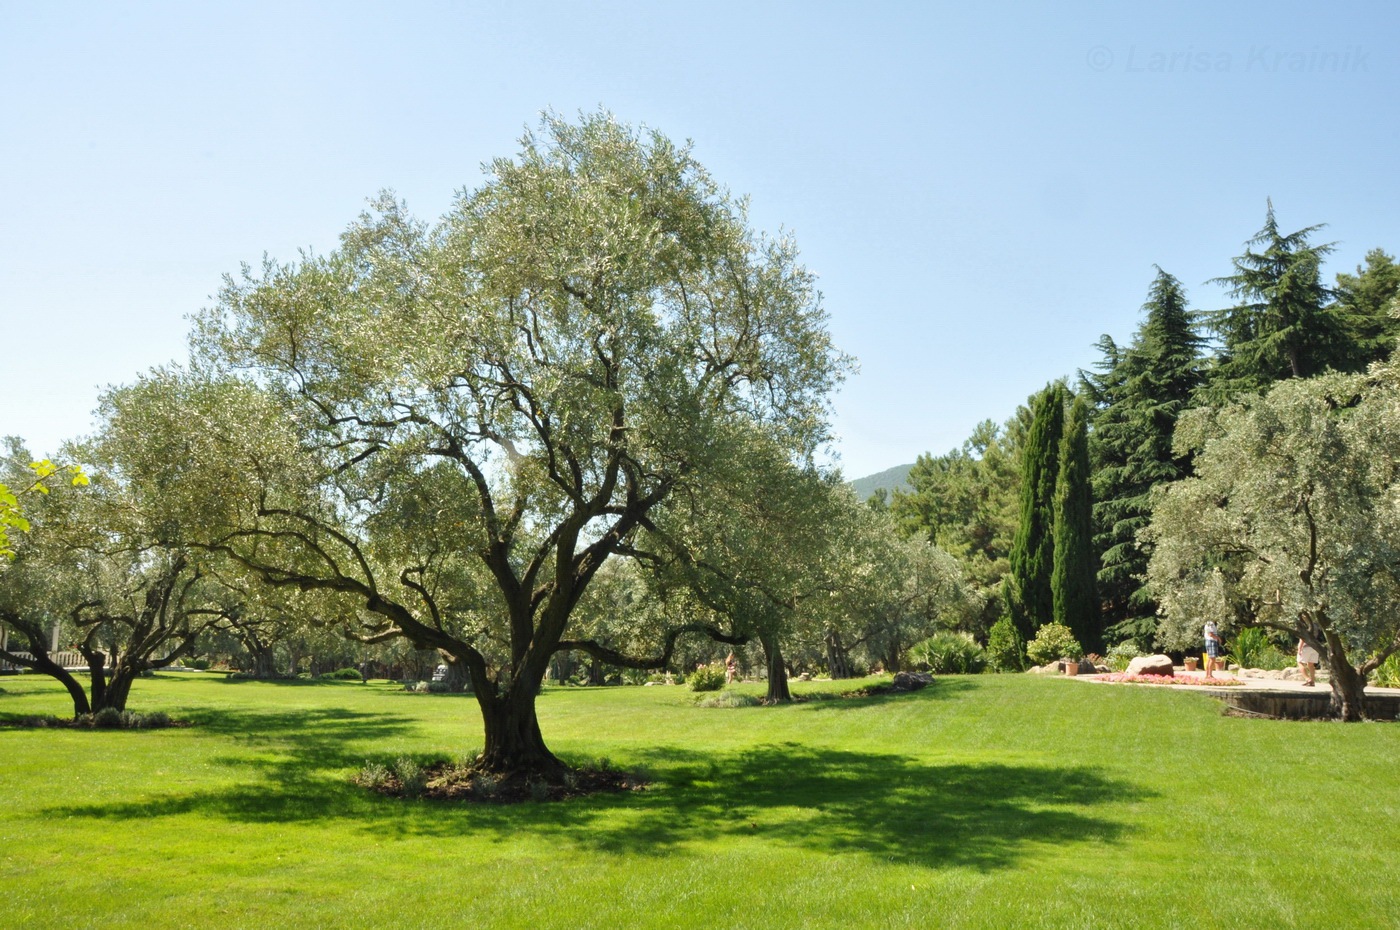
{"points": [[1120, 655], [410, 777], [1053, 641], [108, 718], [1005, 648], [728, 699], [707, 678], [1253, 649], [343, 674], [487, 786], [371, 775], [950, 653], [199, 664], [1387, 674]]}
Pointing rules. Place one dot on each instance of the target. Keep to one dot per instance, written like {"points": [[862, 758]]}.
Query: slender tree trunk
{"points": [[595, 673], [1348, 687], [97, 675], [777, 671]]}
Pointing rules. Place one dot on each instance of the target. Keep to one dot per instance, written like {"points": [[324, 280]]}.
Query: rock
{"points": [[910, 681], [1102, 670], [1151, 665], [1293, 674]]}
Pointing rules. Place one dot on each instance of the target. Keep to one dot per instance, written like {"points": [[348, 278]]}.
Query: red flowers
{"points": [[1168, 679]]}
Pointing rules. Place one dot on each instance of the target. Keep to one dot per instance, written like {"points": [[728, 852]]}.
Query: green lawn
{"points": [[990, 801]]}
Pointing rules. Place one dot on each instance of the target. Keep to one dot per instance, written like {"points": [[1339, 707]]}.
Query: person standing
{"points": [[1307, 663], [1213, 644]]}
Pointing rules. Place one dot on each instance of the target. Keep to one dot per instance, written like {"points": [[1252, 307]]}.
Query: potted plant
{"points": [[1190, 663], [1073, 653], [1055, 641]]}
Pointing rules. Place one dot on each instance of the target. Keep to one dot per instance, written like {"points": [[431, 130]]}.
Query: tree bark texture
{"points": [[1348, 686], [514, 746], [777, 670], [838, 660]]}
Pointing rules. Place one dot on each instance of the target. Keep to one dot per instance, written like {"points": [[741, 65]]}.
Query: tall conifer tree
{"points": [[1072, 587], [1283, 326], [1033, 550], [1142, 390]]}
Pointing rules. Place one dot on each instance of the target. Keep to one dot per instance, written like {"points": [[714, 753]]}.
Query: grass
{"points": [[992, 801]]}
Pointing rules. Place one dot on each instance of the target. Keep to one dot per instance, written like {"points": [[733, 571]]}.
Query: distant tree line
{"points": [[1010, 503]]}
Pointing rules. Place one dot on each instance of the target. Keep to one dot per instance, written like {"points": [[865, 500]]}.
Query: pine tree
{"points": [[1365, 302], [1283, 327], [1033, 549], [1143, 389], [1072, 587]]}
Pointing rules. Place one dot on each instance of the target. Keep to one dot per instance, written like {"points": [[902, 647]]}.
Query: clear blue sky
{"points": [[983, 188]]}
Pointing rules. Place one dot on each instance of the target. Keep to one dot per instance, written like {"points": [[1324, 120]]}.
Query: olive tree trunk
{"points": [[1348, 685], [515, 748], [777, 670], [838, 659]]}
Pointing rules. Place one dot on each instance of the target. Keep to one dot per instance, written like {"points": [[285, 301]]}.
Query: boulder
{"points": [[910, 681], [1151, 665]]}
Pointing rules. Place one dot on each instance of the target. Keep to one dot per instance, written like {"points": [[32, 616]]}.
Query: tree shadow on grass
{"points": [[891, 807]]}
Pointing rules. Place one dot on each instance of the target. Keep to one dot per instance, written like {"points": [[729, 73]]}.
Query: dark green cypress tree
{"points": [[1076, 604], [1143, 390], [1032, 553]]}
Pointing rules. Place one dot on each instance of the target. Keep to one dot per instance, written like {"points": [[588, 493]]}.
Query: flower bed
{"points": [[1168, 679]]}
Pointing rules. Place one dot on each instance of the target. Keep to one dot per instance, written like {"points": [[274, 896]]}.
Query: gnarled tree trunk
{"points": [[515, 748], [458, 678], [1348, 685], [40, 661], [777, 671], [838, 660], [264, 661]]}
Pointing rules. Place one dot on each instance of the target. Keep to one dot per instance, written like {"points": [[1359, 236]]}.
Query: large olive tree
{"points": [[1291, 522], [457, 425]]}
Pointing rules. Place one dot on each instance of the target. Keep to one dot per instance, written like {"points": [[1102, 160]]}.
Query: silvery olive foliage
{"points": [[1292, 519]]}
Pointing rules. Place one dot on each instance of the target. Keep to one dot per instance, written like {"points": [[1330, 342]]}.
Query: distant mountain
{"points": [[891, 479]]}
